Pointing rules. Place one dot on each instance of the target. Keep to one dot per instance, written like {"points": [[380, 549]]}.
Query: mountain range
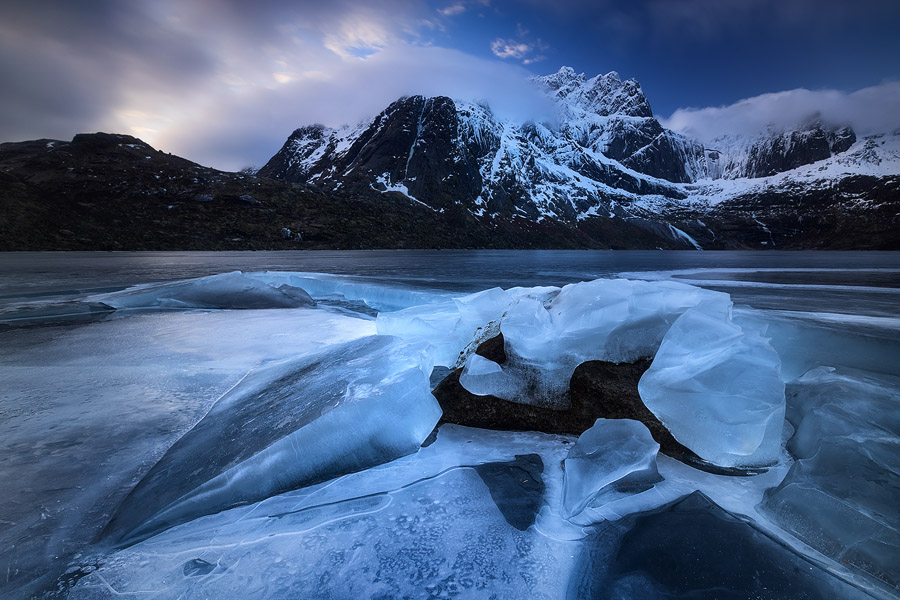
{"points": [[600, 172]]}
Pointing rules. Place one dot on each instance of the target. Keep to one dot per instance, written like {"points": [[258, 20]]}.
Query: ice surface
{"points": [[450, 326], [693, 549], [433, 524], [228, 290], [287, 425], [717, 388], [614, 456], [841, 495], [451, 522], [616, 320], [87, 410], [809, 340]]}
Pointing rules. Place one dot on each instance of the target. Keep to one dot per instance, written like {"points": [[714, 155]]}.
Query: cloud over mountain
{"points": [[873, 109]]}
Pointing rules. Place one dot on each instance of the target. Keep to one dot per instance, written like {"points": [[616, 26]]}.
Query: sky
{"points": [[224, 82]]}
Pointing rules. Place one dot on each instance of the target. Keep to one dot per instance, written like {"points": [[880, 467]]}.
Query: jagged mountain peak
{"points": [[602, 95]]}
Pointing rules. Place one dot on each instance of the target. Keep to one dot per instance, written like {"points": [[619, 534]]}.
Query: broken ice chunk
{"points": [[717, 388], [228, 290], [484, 377], [613, 456], [287, 425], [451, 326]]}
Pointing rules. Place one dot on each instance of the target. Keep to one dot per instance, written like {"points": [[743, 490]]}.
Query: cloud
{"points": [[237, 130], [869, 110], [510, 48], [453, 10], [223, 82]]}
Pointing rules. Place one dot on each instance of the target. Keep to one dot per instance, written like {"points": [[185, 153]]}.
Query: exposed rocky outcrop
{"points": [[785, 151], [598, 389]]}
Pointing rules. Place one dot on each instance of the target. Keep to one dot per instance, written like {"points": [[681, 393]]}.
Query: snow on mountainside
{"points": [[606, 156]]}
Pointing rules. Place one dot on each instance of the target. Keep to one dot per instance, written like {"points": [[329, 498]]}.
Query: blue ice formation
{"points": [[613, 458], [286, 425]]}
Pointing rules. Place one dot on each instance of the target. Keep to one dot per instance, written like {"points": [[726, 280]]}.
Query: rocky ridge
{"points": [[608, 157]]}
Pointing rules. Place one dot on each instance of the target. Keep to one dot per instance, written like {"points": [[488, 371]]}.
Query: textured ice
{"points": [[450, 326], [228, 290], [88, 409], [717, 388], [287, 425], [442, 523], [616, 320], [841, 495], [452, 521], [613, 457]]}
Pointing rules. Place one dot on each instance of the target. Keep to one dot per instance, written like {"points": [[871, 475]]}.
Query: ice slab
{"points": [[228, 290], [449, 521], [374, 294], [717, 388], [287, 425], [841, 495], [809, 340], [612, 458], [616, 320]]}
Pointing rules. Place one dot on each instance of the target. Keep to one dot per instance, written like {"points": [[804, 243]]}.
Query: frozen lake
{"points": [[185, 440]]}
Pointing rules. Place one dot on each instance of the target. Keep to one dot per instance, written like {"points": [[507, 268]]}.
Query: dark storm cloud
{"points": [[70, 63]]}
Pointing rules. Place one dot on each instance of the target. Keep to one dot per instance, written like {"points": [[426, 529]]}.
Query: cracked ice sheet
{"points": [[425, 524], [87, 410]]}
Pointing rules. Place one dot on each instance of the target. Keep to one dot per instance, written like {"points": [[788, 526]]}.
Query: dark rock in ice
{"points": [[611, 390], [516, 487], [694, 549], [616, 385], [493, 349], [197, 567], [598, 389]]}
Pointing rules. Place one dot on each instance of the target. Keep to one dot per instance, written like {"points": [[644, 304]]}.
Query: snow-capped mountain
{"points": [[604, 157]]}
